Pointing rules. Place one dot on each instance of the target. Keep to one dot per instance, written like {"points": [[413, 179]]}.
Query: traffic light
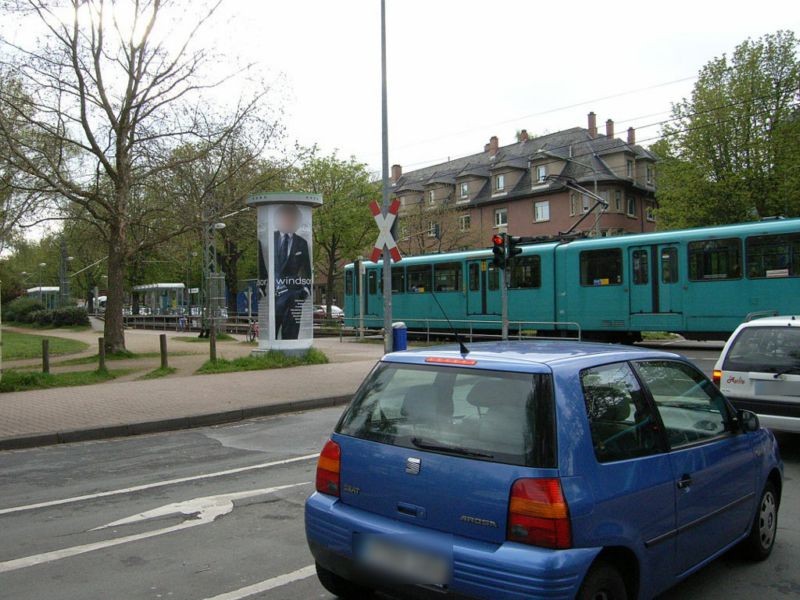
{"points": [[499, 250], [513, 249]]}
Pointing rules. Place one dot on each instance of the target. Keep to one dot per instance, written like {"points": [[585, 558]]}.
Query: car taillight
{"points": [[328, 467], [716, 376], [538, 514]]}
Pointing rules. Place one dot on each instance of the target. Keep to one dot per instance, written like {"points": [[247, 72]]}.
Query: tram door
{"points": [[640, 280], [670, 293], [476, 287]]}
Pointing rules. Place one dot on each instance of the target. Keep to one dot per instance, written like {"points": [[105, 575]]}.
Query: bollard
{"points": [[162, 343], [101, 354], [46, 356]]}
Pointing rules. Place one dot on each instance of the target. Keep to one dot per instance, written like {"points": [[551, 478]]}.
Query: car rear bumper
{"points": [[480, 569], [773, 414]]}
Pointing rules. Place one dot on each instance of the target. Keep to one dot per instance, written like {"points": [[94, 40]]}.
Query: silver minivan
{"points": [[759, 370]]}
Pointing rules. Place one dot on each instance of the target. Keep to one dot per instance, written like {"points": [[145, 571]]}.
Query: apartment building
{"points": [[521, 189]]}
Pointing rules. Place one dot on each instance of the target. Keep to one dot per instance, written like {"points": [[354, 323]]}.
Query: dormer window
{"points": [[541, 174], [432, 197], [629, 168], [465, 190], [649, 174], [499, 183]]}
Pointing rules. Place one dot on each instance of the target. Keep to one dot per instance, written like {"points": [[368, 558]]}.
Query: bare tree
{"points": [[112, 93]]}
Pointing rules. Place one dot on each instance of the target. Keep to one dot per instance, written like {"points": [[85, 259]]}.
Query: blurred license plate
{"points": [[406, 564]]}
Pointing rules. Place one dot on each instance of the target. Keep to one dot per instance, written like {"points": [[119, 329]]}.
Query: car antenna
{"points": [[462, 348]]}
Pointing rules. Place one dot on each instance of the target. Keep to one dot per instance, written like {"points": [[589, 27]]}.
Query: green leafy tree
{"points": [[731, 151], [343, 225]]}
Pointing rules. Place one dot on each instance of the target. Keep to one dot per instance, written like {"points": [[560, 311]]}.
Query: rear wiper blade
{"points": [[428, 445], [787, 370]]}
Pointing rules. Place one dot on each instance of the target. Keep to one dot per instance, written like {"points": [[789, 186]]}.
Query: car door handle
{"points": [[684, 482], [411, 510]]}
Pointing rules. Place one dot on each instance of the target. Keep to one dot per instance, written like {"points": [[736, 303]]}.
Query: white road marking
{"points": [[268, 584], [200, 511], [155, 484]]}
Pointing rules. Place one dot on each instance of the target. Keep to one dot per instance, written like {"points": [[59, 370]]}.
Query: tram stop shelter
{"points": [[160, 298], [49, 296]]}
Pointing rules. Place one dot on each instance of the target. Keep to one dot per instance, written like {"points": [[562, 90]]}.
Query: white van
{"points": [[759, 370]]}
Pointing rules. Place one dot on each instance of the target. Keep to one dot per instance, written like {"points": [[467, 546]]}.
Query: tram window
{"points": [[669, 265], [640, 267], [493, 277], [418, 279], [372, 282], [348, 283], [447, 277], [526, 272], [474, 277], [715, 259], [601, 267], [773, 256], [398, 280]]}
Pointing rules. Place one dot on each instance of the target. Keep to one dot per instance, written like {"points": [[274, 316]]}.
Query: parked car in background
{"points": [[759, 370], [320, 313], [538, 470]]}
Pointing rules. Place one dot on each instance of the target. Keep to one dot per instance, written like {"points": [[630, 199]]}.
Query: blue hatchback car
{"points": [[538, 470]]}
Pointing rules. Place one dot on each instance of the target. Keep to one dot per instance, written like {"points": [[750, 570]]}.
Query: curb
{"points": [[172, 424]]}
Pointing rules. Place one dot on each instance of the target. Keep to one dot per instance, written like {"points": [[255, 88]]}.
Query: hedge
{"points": [[20, 309]]}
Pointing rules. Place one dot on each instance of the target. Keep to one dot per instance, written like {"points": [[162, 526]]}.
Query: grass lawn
{"points": [[17, 346], [159, 372], [42, 327], [659, 335], [221, 337], [19, 381], [270, 360]]}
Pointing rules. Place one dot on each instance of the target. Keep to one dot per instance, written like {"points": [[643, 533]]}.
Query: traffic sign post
{"points": [[385, 237]]}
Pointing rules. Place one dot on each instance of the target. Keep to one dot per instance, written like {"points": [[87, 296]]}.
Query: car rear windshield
{"points": [[765, 350], [485, 415]]}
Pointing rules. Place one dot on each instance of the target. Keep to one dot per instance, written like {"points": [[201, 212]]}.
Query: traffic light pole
{"points": [[504, 302]]}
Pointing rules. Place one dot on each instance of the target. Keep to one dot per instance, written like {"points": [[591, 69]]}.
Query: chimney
{"points": [[631, 136], [592, 125], [397, 172], [492, 146], [610, 128], [523, 135]]}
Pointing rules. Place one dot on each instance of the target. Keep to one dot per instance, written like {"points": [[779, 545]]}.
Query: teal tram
{"points": [[700, 283]]}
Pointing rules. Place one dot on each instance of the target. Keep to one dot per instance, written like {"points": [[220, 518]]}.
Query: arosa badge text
{"points": [[413, 466]]}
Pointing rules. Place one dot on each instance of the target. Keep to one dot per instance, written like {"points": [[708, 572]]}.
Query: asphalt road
{"points": [[217, 513]]}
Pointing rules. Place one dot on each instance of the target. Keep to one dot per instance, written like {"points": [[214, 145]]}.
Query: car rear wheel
{"points": [[759, 543], [603, 582], [340, 587]]}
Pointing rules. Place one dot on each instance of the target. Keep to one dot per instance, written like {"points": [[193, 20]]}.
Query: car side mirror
{"points": [[748, 421]]}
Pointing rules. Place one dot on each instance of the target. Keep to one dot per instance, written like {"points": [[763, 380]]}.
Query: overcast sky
{"points": [[462, 70]]}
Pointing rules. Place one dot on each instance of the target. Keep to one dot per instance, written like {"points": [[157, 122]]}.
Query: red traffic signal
{"points": [[499, 250], [498, 239]]}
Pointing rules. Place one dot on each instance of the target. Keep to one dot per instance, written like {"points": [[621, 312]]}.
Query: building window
{"points": [[629, 168], [447, 277], [501, 217], [586, 203], [618, 201], [541, 173], [573, 204], [464, 223], [499, 183], [604, 196], [649, 174], [715, 259], [631, 206], [433, 230], [465, 190], [601, 267], [541, 211], [432, 197], [650, 213]]}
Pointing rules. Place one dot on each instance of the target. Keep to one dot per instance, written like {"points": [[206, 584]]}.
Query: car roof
{"points": [[532, 356], [786, 321]]}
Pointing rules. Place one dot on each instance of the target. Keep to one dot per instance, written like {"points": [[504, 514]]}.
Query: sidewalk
{"points": [[60, 415]]}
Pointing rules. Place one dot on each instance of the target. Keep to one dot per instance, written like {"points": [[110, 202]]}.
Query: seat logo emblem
{"points": [[413, 466]]}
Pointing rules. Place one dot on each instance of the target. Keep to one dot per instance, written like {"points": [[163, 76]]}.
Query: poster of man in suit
{"points": [[288, 243]]}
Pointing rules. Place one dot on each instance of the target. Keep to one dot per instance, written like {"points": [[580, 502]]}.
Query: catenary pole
{"points": [[387, 260]]}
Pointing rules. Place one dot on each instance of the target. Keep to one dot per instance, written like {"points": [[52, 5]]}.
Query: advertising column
{"points": [[285, 274]]}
